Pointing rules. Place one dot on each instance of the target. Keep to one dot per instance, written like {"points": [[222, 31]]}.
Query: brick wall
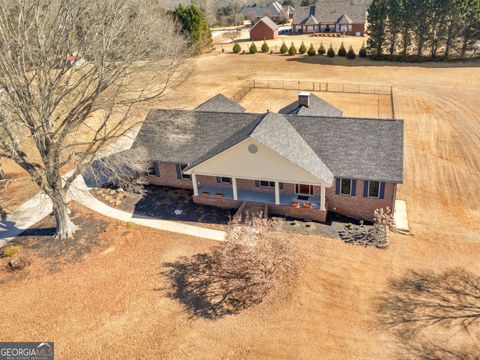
{"points": [[300, 213], [217, 201], [357, 206], [168, 177]]}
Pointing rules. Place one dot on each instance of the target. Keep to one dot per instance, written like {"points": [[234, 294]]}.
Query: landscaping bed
{"points": [[165, 203]]}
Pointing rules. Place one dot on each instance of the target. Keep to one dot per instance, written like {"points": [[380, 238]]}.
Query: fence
{"points": [[314, 86]]}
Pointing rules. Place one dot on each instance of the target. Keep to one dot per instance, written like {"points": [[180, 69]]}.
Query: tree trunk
{"points": [[2, 174], [65, 227]]}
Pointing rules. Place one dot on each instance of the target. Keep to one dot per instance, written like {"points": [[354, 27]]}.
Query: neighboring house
{"points": [[342, 16], [300, 166], [275, 12], [264, 29]]}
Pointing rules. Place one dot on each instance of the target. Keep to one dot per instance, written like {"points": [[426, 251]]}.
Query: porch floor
{"points": [[259, 196]]}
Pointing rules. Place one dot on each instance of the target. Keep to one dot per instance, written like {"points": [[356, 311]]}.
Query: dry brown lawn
{"points": [[110, 303]]}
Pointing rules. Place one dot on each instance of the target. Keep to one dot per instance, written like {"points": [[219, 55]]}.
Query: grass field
{"points": [[113, 301]]}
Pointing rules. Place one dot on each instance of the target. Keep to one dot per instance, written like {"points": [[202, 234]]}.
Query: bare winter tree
{"points": [[70, 74]]}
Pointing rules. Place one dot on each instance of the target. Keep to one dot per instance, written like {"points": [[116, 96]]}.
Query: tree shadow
{"points": [[208, 292], [433, 315]]}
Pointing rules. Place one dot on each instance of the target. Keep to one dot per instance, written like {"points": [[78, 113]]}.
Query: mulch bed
{"points": [[166, 203]]}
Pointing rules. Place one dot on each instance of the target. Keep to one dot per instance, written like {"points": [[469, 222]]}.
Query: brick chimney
{"points": [[304, 98]]}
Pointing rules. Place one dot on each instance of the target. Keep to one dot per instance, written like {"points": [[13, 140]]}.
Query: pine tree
{"points": [[363, 51], [321, 49], [194, 24], [283, 48], [237, 48], [311, 50], [253, 48], [292, 50], [392, 25], [377, 13], [351, 54], [331, 52], [342, 51], [302, 49], [265, 47]]}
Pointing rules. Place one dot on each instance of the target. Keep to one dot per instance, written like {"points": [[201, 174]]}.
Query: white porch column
{"points": [[195, 185], [322, 197], [234, 188], [277, 193]]}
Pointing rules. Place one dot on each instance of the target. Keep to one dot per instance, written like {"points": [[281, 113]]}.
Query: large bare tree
{"points": [[71, 73]]}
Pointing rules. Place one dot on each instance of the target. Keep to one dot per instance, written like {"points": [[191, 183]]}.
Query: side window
{"points": [[374, 189], [345, 186], [185, 176]]}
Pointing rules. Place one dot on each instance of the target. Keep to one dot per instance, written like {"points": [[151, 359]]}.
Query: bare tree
{"points": [[71, 72], [255, 259], [232, 35]]}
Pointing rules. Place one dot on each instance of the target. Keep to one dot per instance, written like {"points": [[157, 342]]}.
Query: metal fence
{"points": [[314, 86]]}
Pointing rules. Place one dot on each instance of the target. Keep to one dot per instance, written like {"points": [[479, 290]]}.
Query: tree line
{"points": [[423, 29]]}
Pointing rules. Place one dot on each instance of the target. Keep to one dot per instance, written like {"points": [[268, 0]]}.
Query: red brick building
{"points": [[264, 29], [295, 165]]}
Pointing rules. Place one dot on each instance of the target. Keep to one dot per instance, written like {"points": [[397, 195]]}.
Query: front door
{"points": [[303, 189]]}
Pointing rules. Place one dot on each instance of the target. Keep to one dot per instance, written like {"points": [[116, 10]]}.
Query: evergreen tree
{"points": [[302, 49], [392, 25], [265, 47], [253, 48], [292, 50], [237, 48], [470, 33], [438, 10], [342, 51], [311, 50], [363, 51], [377, 15], [351, 54], [331, 52], [321, 49], [406, 24], [421, 24], [194, 25], [283, 48]]}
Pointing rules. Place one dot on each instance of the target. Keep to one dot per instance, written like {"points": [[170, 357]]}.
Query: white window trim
{"points": [[225, 182], [351, 186], [297, 190], [368, 190], [184, 176]]}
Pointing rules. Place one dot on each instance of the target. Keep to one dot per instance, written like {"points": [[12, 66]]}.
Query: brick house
{"points": [[264, 29], [342, 16], [301, 163], [274, 11]]}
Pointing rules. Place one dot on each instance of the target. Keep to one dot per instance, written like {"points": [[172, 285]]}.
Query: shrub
{"points": [[331, 52], [292, 50], [11, 250], [385, 218], [363, 51], [311, 50], [361, 222], [237, 48], [243, 52], [265, 47], [271, 52], [342, 51], [351, 54], [321, 49], [283, 48], [253, 48], [302, 49]]}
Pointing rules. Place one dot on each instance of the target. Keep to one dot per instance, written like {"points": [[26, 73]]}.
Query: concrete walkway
{"points": [[40, 206], [400, 215]]}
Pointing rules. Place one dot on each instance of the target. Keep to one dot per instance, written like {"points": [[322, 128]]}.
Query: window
{"points": [[180, 174], [152, 170], [374, 189], [345, 186], [264, 183], [304, 189], [226, 180]]}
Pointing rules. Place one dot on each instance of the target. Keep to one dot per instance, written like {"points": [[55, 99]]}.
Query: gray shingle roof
{"points": [[317, 107], [276, 133], [267, 21], [273, 9], [331, 11], [220, 103], [350, 147]]}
